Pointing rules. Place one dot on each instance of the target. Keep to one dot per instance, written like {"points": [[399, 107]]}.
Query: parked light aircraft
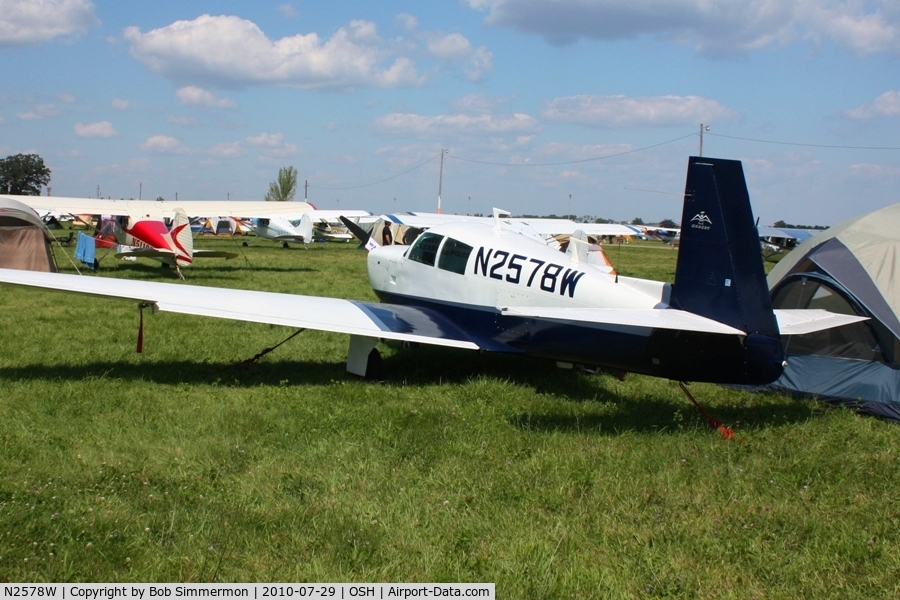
{"points": [[404, 228], [303, 228], [480, 287]]}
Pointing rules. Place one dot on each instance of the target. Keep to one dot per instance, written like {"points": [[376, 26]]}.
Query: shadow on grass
{"points": [[138, 268], [656, 407]]}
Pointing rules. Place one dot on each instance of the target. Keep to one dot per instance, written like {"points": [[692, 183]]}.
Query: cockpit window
{"points": [[425, 249], [454, 256]]}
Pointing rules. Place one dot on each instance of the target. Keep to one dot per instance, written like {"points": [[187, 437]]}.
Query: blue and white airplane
{"points": [[481, 287]]}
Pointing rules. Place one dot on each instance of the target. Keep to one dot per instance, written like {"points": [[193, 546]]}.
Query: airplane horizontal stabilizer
{"points": [[653, 318], [800, 321]]}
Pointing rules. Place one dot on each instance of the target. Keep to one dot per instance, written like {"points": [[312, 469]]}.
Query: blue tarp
{"points": [[85, 250]]}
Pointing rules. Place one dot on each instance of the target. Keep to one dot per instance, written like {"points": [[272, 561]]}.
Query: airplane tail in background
{"points": [[305, 228], [182, 238]]}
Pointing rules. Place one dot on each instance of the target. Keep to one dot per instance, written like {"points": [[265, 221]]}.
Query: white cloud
{"points": [[100, 129], [39, 111], [163, 144], [272, 144], [270, 140], [456, 125], [229, 51], [120, 104], [197, 96], [452, 49], [450, 46], [30, 22], [887, 105], [713, 28], [228, 150], [624, 111]]}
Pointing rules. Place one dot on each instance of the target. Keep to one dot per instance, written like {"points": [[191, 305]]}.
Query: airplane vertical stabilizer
{"points": [[720, 272], [183, 238]]}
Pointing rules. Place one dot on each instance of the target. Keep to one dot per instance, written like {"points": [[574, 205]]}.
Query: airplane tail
{"points": [[305, 228], [720, 274], [183, 239]]}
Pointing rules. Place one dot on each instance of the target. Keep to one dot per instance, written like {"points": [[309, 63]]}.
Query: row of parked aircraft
{"points": [[497, 286]]}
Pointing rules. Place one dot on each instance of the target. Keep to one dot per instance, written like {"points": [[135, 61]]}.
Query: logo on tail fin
{"points": [[701, 221]]}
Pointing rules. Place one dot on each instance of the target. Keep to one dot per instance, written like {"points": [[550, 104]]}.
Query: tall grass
{"points": [[180, 465]]}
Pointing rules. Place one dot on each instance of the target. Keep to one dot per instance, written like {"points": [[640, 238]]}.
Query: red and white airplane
{"points": [[479, 286]]}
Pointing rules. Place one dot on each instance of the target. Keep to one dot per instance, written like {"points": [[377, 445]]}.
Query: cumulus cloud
{"points": [[456, 125], [624, 111], [163, 144], [712, 28], [887, 105], [197, 96], [228, 51], [30, 22], [452, 49], [100, 129]]}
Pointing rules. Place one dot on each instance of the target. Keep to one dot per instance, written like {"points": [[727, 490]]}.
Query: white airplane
{"points": [[280, 229], [403, 228], [478, 286], [304, 228]]}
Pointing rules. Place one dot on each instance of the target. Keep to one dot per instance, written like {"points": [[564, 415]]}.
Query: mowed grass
{"points": [[179, 464]]}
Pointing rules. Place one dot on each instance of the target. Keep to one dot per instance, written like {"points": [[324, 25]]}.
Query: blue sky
{"points": [[535, 100]]}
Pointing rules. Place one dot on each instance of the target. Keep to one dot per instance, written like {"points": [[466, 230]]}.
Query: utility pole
{"points": [[441, 180], [701, 138]]}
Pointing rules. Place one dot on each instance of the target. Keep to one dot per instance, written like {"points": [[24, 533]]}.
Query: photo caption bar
{"points": [[251, 591]]}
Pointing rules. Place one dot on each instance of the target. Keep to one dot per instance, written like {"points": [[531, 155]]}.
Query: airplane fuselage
{"points": [[471, 273]]}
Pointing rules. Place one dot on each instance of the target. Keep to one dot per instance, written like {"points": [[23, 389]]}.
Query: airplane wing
{"points": [[790, 322], [365, 319]]}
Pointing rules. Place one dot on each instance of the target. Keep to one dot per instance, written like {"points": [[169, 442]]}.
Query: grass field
{"points": [[180, 465]]}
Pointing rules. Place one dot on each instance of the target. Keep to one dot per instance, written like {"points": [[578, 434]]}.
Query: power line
{"points": [[734, 137], [570, 162], [356, 187]]}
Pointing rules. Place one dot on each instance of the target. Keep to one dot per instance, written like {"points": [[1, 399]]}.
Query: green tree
{"points": [[668, 224], [283, 188], [23, 174], [637, 221]]}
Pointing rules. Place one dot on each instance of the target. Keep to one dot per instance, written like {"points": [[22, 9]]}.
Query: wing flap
{"points": [[384, 321]]}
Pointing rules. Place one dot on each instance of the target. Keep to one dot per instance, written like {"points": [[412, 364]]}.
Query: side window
{"points": [[425, 249], [454, 256]]}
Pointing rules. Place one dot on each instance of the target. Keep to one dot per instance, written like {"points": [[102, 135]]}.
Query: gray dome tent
{"points": [[24, 238], [851, 268]]}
